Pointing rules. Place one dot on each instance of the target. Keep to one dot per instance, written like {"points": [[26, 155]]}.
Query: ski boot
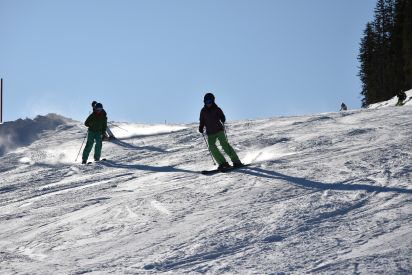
{"points": [[224, 166], [238, 164]]}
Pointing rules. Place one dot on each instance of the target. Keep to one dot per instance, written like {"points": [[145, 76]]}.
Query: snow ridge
{"points": [[23, 132]]}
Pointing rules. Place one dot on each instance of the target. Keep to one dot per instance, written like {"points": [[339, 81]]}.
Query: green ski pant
{"points": [[399, 103], [225, 145], [91, 138]]}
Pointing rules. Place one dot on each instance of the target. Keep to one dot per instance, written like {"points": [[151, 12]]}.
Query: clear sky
{"points": [[153, 60]]}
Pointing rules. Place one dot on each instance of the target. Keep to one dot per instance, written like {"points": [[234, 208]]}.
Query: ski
{"points": [[109, 139], [96, 161], [215, 171]]}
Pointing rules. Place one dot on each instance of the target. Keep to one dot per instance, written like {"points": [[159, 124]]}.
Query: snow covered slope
{"points": [[326, 194], [393, 101]]}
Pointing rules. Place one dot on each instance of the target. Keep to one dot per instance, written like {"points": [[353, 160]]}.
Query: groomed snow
{"points": [[325, 194]]}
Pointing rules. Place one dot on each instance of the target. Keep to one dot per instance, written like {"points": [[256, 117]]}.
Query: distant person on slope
{"points": [[212, 117], [108, 135], [401, 97], [343, 107], [97, 124]]}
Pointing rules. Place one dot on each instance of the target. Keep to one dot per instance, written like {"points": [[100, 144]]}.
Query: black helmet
{"points": [[98, 106], [94, 103], [209, 97]]}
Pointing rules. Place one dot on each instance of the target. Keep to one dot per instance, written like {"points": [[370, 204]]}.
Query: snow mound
{"points": [[23, 132], [128, 130], [393, 101]]}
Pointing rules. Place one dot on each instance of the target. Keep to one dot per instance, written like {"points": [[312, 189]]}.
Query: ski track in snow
{"points": [[325, 194]]}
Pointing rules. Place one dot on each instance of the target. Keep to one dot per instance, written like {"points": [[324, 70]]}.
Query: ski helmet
{"points": [[98, 107], [209, 97]]}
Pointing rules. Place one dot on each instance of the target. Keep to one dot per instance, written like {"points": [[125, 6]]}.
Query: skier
{"points": [[97, 124], [108, 134], [343, 107], [401, 97], [213, 118]]}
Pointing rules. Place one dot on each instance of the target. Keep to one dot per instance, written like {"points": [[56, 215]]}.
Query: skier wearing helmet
{"points": [[213, 118], [108, 134], [97, 123]]}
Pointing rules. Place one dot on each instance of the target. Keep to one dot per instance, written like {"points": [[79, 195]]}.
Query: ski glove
{"points": [[201, 130]]}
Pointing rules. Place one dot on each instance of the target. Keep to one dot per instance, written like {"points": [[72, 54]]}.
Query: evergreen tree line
{"points": [[386, 52]]}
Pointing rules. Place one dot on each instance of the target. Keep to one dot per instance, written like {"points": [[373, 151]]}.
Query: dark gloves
{"points": [[201, 129]]}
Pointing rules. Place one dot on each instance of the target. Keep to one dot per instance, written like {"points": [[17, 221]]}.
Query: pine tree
{"points": [[383, 27], [407, 42], [366, 58], [385, 54], [396, 66]]}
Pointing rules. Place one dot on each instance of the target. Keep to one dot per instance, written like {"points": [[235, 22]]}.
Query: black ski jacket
{"points": [[212, 118]]}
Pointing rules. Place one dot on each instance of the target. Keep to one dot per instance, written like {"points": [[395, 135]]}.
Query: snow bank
{"points": [[23, 132], [127, 130], [392, 101]]}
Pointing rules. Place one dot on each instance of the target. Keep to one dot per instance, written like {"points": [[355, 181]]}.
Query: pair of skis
{"points": [[215, 171]]}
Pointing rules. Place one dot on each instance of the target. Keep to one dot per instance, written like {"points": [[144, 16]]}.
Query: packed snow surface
{"points": [[325, 194]]}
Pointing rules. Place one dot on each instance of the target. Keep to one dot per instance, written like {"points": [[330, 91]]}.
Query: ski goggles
{"points": [[209, 101]]}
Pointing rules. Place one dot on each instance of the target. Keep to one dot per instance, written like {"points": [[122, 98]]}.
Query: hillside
{"points": [[393, 101], [326, 194]]}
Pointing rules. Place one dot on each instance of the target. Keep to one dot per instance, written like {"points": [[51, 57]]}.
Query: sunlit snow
{"points": [[324, 194]]}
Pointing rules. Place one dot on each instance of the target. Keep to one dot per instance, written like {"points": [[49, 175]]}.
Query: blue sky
{"points": [[153, 60]]}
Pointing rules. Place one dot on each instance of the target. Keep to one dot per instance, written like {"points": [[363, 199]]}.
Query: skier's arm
{"points": [[104, 125], [201, 123], [87, 122], [222, 116]]}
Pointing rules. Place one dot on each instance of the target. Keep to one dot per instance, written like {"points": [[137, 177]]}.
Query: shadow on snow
{"points": [[259, 172], [163, 169], [134, 147]]}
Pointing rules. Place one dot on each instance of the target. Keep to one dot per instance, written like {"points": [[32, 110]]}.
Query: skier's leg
{"points": [[211, 139], [227, 148], [98, 146], [89, 146]]}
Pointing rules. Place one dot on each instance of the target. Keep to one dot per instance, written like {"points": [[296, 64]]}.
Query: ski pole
{"points": [[224, 130], [81, 146], [118, 126], [210, 152]]}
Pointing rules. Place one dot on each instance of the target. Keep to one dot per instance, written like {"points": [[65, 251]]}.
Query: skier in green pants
{"points": [[213, 118], [97, 124]]}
